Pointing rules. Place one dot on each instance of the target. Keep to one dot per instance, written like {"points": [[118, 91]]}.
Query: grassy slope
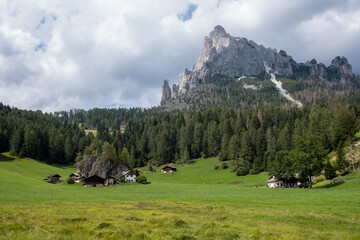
{"points": [[203, 172], [172, 207]]}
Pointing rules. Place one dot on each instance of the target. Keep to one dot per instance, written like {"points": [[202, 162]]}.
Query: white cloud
{"points": [[64, 54], [331, 32]]}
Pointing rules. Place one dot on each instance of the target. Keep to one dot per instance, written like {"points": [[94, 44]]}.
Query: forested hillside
{"points": [[255, 139]]}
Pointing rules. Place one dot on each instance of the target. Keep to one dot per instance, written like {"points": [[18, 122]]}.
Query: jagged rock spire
{"points": [[165, 91]]}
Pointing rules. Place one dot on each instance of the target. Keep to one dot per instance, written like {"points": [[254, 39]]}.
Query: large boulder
{"points": [[103, 167]]}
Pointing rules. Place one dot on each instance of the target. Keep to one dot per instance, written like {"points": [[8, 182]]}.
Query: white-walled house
{"points": [[294, 182], [130, 176], [272, 182]]}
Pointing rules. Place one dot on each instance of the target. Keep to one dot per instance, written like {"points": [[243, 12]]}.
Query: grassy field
{"points": [[197, 202]]}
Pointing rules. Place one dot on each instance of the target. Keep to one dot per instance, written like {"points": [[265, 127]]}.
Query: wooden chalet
{"points": [[93, 181], [53, 178], [168, 169], [77, 177], [109, 181]]}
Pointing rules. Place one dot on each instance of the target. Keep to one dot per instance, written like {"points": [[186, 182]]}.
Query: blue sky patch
{"points": [[40, 47], [188, 14]]}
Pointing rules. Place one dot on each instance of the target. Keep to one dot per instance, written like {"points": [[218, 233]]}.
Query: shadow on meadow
{"points": [[331, 185], [4, 158]]}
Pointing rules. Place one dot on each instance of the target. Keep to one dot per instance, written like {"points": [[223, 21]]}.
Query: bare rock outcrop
{"points": [[100, 166], [165, 91]]}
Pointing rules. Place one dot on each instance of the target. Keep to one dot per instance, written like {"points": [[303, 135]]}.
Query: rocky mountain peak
{"points": [[225, 55], [342, 64], [218, 31]]}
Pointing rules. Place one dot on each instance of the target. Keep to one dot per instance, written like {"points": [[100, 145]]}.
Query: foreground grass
{"points": [[181, 206], [169, 220]]}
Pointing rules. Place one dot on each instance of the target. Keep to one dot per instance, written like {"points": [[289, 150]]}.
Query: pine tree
{"points": [[109, 152], [124, 156], [309, 156], [234, 147], [341, 162], [247, 152], [284, 139], [344, 125], [330, 172], [270, 149], [224, 152], [186, 156], [213, 140], [16, 142], [283, 167], [198, 136], [69, 149]]}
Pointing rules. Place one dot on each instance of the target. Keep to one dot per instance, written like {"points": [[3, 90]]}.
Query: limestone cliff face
{"points": [[234, 56], [223, 54]]}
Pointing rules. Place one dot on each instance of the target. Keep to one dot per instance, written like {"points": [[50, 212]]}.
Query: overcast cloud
{"points": [[64, 54]]}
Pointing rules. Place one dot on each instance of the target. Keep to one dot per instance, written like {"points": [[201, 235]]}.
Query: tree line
{"points": [[266, 138]]}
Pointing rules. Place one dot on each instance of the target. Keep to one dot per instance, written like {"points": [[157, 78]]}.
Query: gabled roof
{"points": [[169, 167], [94, 178], [131, 172], [272, 178]]}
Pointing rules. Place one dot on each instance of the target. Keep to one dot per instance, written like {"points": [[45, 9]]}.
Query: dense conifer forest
{"points": [[266, 138]]}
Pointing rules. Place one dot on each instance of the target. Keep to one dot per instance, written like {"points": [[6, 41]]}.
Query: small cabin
{"points": [[53, 178], [168, 170], [109, 181], [130, 176], [93, 181], [77, 177]]}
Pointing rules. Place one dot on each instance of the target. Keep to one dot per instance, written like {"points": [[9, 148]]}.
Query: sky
{"points": [[66, 54]]}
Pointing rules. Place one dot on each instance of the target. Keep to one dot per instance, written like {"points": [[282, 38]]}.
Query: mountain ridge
{"points": [[236, 57]]}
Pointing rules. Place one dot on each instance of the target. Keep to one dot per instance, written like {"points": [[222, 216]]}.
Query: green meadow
{"points": [[196, 202]]}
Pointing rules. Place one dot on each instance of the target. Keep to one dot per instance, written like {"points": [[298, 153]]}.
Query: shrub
{"points": [[255, 171], [330, 172], [216, 167], [319, 179], [121, 178], [241, 171], [70, 181], [224, 166], [235, 181], [141, 179]]}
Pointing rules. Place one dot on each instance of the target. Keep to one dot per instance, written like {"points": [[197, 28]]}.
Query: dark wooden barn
{"points": [[93, 181], [53, 178]]}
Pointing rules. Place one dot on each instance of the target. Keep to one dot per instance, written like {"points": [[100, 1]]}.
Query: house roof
{"points": [[94, 178], [131, 172], [272, 178], [169, 168]]}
